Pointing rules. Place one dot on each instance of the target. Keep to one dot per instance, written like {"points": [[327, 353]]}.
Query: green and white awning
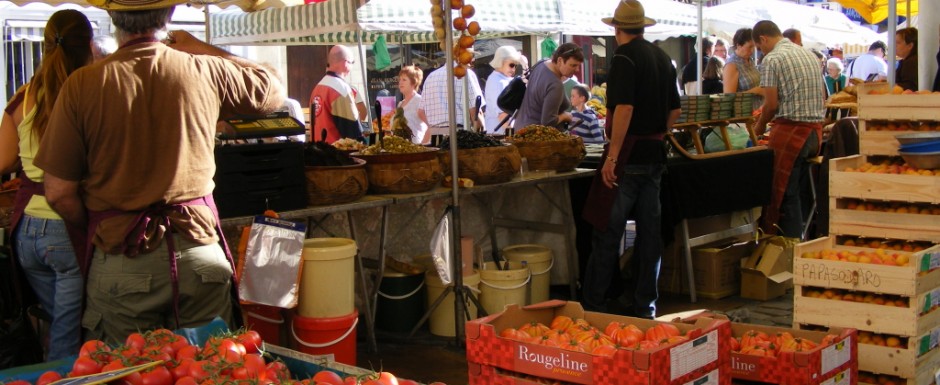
{"points": [[673, 18], [404, 21]]}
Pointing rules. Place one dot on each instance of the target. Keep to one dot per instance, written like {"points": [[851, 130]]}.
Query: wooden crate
{"points": [[885, 187], [885, 106], [879, 142], [878, 224], [923, 372], [903, 321], [920, 277], [902, 362]]}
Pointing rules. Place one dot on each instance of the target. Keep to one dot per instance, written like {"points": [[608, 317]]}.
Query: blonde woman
{"points": [[409, 79]]}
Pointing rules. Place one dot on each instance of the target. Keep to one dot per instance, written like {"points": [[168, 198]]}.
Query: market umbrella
{"points": [[875, 11]]}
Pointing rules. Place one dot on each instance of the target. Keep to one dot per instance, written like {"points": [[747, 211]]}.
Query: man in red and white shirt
{"points": [[333, 101]]}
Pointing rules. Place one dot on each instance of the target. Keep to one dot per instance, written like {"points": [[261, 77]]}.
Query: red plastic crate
{"points": [[799, 368], [706, 353]]}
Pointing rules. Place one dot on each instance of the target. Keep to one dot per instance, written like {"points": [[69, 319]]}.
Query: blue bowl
{"points": [[932, 146]]}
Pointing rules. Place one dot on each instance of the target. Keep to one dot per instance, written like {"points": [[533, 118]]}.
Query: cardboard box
{"points": [[717, 269], [767, 273], [496, 360], [815, 366]]}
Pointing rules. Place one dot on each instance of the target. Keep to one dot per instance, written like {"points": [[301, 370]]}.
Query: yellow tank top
{"points": [[38, 206]]}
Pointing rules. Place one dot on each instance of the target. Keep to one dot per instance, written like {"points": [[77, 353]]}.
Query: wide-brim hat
{"points": [[629, 14], [134, 5]]}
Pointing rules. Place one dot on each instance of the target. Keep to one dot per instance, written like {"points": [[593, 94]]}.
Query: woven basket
{"points": [[330, 185], [557, 155], [403, 173], [486, 165]]}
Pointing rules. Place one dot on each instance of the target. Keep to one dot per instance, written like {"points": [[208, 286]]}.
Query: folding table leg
{"points": [[687, 253]]}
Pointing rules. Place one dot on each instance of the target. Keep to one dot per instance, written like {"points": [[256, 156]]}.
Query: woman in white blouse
{"points": [[409, 79]]}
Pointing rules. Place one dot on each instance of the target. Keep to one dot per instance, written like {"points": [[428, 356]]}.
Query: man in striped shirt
{"points": [[793, 101]]}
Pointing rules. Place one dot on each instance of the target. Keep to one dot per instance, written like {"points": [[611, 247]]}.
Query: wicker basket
{"points": [[486, 165], [557, 155], [403, 173], [330, 185]]}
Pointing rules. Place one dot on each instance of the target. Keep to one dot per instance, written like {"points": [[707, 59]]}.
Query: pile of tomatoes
{"points": [[579, 335], [231, 359], [758, 343]]}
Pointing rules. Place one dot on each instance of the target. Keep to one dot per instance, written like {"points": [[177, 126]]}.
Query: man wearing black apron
{"points": [[128, 154], [643, 102]]}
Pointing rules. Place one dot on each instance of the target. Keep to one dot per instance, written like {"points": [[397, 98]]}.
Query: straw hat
{"points": [[629, 14], [134, 5], [506, 52]]}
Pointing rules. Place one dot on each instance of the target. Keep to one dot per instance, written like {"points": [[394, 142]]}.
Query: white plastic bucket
{"points": [[540, 261], [441, 321], [327, 288], [499, 288]]}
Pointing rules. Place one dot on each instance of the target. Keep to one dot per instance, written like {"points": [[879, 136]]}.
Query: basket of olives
{"points": [[481, 158], [333, 177], [397, 166], [545, 148]]}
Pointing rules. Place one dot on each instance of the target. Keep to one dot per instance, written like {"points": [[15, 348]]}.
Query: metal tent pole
{"points": [[892, 31]]}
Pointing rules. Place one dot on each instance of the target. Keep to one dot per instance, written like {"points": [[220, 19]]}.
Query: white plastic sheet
{"points": [[440, 248], [270, 271]]}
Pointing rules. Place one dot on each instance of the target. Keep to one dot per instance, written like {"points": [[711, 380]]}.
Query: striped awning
{"points": [[399, 21], [673, 19], [28, 30]]}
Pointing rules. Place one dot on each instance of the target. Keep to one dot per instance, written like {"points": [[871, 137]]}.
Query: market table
{"points": [[315, 214]]}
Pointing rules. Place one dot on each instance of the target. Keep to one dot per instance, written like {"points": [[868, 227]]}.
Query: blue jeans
{"points": [[793, 209], [638, 192], [47, 257]]}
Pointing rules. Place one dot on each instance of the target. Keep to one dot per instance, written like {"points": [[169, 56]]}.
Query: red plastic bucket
{"points": [[335, 336], [266, 320]]}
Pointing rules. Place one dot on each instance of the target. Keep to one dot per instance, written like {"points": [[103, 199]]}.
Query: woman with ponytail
{"points": [[40, 238]]}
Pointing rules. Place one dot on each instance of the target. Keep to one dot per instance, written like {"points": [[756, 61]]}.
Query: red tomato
{"points": [[158, 375], [402, 381], [132, 379], [351, 380], [187, 351], [388, 378], [113, 365], [251, 340], [136, 341], [186, 381], [85, 365], [179, 343], [276, 370], [328, 377], [18, 382], [48, 377], [200, 370], [181, 369], [254, 366], [157, 355], [96, 349]]}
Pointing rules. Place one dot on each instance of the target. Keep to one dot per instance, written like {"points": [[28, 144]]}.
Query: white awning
{"points": [[29, 30], [673, 19]]}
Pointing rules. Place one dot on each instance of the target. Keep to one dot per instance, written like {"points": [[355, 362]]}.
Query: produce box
{"points": [[885, 187], [920, 276], [907, 224], [884, 104], [906, 361], [877, 137], [766, 273], [717, 268], [815, 366], [493, 359]]}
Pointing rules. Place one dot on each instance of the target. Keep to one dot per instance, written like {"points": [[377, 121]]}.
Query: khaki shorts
{"points": [[126, 295]]}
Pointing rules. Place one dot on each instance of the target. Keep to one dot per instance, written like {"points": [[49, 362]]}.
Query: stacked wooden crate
{"points": [[876, 201]]}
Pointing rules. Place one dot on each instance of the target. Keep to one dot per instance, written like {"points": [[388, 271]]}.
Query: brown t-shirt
{"points": [[138, 129]]}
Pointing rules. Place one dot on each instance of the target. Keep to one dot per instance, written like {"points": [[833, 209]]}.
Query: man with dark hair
{"points": [[690, 71], [793, 99], [794, 35], [643, 102], [129, 155], [870, 63], [545, 102]]}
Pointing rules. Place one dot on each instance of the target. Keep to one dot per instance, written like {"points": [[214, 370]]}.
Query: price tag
{"points": [[694, 354], [708, 379], [835, 355]]}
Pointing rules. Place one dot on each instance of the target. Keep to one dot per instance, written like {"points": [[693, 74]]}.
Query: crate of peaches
{"points": [[558, 341], [786, 356], [885, 219], [882, 178]]}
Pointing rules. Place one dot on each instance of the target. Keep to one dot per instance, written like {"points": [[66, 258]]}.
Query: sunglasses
{"points": [[512, 65]]}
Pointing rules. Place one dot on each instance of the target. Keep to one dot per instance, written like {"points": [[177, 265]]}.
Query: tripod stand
{"points": [[461, 293]]}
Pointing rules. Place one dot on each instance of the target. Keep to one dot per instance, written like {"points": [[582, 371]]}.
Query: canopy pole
{"points": [[892, 31], [698, 50], [208, 28], [365, 82]]}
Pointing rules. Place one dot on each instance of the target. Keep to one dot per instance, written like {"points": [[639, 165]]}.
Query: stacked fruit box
{"points": [[878, 272]]}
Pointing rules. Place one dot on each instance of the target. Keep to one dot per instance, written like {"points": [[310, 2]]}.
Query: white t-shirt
{"points": [[866, 65]]}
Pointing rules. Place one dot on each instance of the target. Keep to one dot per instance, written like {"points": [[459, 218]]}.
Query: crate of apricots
{"points": [[885, 219], [877, 136], [882, 178], [557, 342]]}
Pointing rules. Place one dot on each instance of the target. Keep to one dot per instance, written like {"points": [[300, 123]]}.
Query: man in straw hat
{"points": [[643, 102], [128, 153]]}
